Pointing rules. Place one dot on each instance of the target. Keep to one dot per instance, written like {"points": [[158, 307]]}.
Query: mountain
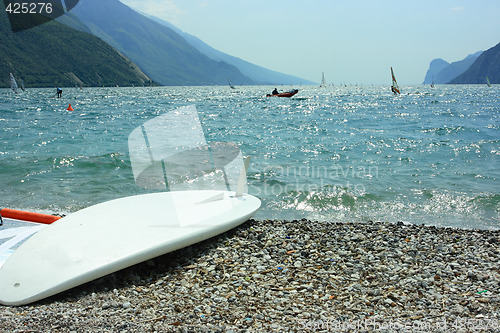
{"points": [[436, 66], [157, 50], [450, 71], [54, 55], [259, 74], [487, 65]]}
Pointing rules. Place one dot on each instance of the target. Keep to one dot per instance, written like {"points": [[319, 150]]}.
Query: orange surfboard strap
{"points": [[28, 216]]}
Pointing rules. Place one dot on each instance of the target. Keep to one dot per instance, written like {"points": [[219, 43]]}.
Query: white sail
{"points": [[323, 81], [170, 152], [13, 83]]}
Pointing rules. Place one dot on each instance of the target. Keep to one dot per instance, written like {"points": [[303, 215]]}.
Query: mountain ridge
{"points": [[442, 74], [53, 54], [157, 50], [257, 73], [486, 65]]}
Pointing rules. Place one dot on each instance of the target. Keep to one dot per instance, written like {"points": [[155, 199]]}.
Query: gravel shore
{"points": [[292, 276]]}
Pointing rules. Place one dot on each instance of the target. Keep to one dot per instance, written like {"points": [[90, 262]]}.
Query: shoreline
{"points": [[292, 276]]}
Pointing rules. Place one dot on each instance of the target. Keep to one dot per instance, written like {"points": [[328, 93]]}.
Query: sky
{"points": [[352, 42]]}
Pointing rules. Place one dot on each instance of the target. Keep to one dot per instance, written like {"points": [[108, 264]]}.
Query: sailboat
{"points": [[323, 81], [230, 84], [394, 87], [13, 83], [488, 81]]}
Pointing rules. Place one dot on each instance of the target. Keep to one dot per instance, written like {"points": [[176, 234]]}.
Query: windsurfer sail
{"points": [[323, 81], [13, 83], [394, 87], [488, 81]]}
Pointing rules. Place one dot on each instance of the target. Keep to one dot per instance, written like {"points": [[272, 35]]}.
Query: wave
{"points": [[441, 208]]}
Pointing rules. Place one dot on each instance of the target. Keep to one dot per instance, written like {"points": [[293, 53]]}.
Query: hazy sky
{"points": [[355, 41]]}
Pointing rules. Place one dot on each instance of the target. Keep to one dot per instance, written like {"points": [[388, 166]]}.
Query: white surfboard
{"points": [[113, 235]]}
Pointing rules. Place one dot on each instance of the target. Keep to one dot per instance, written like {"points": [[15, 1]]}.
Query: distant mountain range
{"points": [[487, 65], [441, 71], [157, 50], [165, 53], [104, 42], [472, 70], [54, 55], [258, 74]]}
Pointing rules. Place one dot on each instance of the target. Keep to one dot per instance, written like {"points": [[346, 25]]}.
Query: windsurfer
{"points": [[59, 92], [275, 92], [394, 90]]}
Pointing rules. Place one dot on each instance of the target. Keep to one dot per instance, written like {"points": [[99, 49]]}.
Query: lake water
{"points": [[356, 153]]}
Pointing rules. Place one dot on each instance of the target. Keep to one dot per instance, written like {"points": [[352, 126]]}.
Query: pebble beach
{"points": [[292, 276]]}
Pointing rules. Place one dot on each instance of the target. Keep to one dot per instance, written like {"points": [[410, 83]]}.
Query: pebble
{"points": [[286, 276]]}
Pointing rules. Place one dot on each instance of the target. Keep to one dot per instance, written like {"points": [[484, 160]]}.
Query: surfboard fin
{"points": [[243, 178]]}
